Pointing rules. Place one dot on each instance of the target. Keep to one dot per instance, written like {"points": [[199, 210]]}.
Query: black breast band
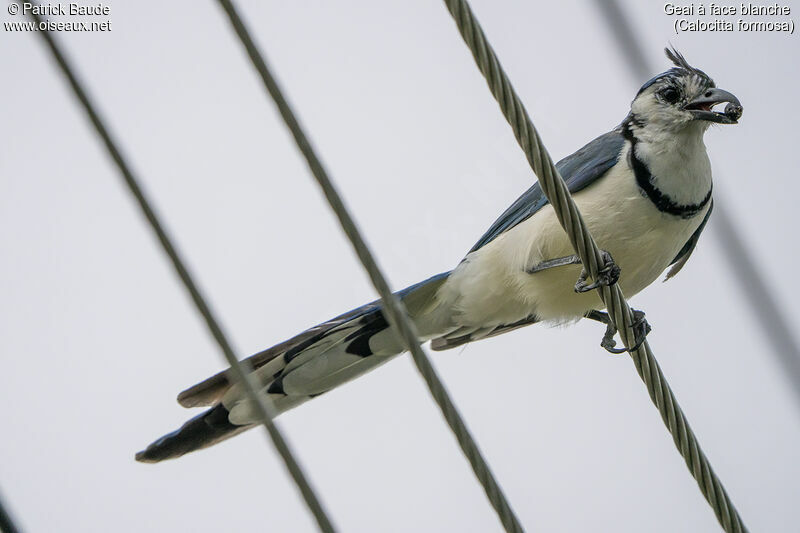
{"points": [[664, 203]]}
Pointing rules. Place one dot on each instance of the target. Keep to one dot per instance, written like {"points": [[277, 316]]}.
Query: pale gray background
{"points": [[97, 336]]}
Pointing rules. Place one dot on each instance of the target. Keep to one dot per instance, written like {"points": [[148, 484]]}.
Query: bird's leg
{"points": [[607, 275], [552, 263], [608, 341], [640, 328]]}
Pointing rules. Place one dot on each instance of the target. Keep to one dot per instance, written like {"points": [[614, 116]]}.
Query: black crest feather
{"points": [[677, 58], [681, 68], [680, 62]]}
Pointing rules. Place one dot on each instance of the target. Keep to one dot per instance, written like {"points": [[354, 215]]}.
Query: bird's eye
{"points": [[669, 95]]}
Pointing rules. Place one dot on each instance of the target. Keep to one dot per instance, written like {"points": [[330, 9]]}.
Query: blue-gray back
{"points": [[579, 170]]}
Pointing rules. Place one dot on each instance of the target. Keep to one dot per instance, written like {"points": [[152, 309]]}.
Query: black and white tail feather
{"points": [[309, 364], [303, 367]]}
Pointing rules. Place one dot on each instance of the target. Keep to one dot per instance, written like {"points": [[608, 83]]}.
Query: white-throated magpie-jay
{"points": [[644, 190]]}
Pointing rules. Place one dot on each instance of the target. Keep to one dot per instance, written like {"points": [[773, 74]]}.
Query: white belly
{"points": [[492, 287]]}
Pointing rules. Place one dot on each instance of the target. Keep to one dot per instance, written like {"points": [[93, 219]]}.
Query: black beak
{"points": [[701, 107]]}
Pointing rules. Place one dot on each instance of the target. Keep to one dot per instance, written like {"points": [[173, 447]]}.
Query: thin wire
{"points": [[570, 218], [7, 524], [763, 303], [393, 308], [240, 374]]}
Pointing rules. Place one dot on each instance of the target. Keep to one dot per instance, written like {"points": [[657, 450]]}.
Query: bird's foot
{"points": [[606, 276], [640, 328]]}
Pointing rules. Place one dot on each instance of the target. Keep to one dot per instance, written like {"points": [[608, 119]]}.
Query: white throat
{"points": [[678, 161]]}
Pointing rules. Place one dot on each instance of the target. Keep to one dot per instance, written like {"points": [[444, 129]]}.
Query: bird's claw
{"points": [[606, 276], [640, 329]]}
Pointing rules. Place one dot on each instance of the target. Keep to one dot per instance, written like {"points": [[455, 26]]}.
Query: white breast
{"points": [[492, 287]]}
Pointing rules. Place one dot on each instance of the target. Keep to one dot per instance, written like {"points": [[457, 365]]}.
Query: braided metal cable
{"points": [[556, 191], [7, 524], [393, 308], [238, 371]]}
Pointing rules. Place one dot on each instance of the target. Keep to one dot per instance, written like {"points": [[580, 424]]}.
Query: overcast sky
{"points": [[97, 336]]}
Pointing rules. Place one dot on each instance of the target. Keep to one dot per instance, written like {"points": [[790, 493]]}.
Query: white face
{"points": [[663, 105]]}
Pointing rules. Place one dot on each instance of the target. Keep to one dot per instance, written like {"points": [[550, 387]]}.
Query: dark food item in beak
{"points": [[733, 111]]}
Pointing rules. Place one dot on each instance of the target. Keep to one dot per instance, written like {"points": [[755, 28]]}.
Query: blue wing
{"points": [[578, 170]]}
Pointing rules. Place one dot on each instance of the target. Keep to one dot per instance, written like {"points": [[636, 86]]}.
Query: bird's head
{"points": [[680, 98]]}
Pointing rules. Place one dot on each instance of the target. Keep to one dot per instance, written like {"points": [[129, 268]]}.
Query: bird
{"points": [[645, 192]]}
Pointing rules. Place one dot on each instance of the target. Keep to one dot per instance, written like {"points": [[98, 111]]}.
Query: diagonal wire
{"points": [[393, 308], [570, 218], [7, 524], [763, 303], [239, 372]]}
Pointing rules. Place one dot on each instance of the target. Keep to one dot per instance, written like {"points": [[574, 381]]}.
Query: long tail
{"points": [[202, 431], [301, 368]]}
